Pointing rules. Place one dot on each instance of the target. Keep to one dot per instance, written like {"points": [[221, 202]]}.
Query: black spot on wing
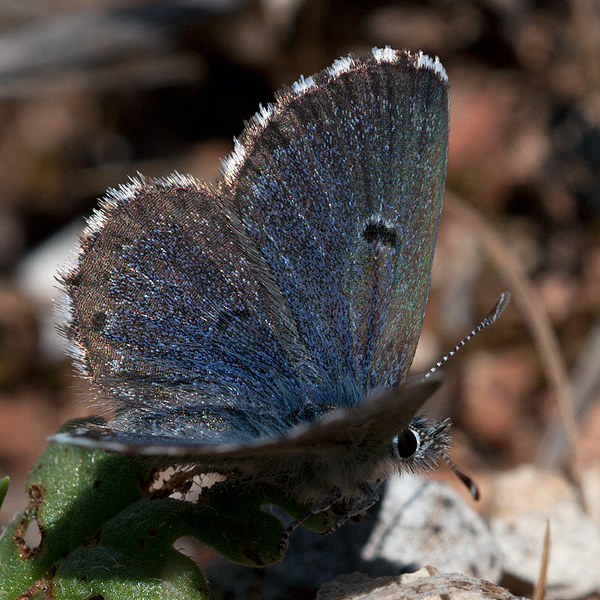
{"points": [[380, 233], [98, 321]]}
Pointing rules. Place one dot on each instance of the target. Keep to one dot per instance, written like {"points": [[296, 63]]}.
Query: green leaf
{"points": [[73, 492], [115, 574], [3, 489], [105, 533]]}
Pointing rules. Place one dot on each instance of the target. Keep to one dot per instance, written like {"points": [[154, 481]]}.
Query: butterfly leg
{"points": [[355, 506], [336, 496]]}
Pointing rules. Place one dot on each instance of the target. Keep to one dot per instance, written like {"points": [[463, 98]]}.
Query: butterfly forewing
{"points": [[340, 186]]}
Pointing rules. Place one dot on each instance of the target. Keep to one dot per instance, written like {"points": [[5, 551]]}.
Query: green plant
{"points": [[106, 531]]}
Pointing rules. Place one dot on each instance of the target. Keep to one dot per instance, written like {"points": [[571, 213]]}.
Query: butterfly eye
{"points": [[406, 443]]}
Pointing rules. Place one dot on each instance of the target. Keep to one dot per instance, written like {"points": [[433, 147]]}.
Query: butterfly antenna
{"points": [[491, 318], [470, 483]]}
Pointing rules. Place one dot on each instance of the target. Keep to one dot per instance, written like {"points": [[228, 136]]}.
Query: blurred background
{"points": [[94, 91]]}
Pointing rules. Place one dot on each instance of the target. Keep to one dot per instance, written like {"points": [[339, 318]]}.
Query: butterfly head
{"points": [[422, 444]]}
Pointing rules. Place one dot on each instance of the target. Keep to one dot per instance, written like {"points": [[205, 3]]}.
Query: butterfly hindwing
{"points": [[176, 318]]}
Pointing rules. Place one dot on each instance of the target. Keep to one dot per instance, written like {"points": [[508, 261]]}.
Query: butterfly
{"points": [[263, 327]]}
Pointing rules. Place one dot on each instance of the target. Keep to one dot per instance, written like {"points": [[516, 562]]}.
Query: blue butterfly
{"points": [[263, 328]]}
